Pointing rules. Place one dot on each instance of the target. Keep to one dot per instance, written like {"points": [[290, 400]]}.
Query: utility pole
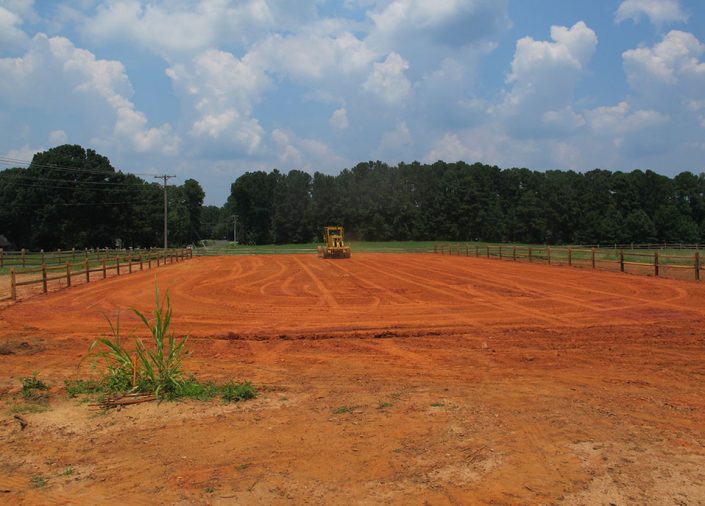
{"points": [[235, 228], [165, 178]]}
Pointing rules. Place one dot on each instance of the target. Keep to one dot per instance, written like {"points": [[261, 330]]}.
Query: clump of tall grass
{"points": [[155, 366]]}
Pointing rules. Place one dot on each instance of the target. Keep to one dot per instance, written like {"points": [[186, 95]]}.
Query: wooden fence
{"points": [[653, 263], [95, 262]]}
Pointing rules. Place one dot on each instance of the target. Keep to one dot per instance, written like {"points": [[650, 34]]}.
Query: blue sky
{"points": [[212, 89]]}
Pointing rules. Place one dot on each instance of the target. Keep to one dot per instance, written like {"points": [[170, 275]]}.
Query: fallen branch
{"points": [[23, 423], [125, 400]]}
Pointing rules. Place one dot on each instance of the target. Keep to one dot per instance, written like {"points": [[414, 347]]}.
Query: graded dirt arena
{"points": [[387, 378]]}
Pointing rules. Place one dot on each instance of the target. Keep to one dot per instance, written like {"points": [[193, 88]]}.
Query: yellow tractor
{"points": [[333, 246]]}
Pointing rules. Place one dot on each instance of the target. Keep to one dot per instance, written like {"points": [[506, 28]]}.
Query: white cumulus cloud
{"points": [[543, 79], [57, 137], [97, 90], [220, 92], [339, 119], [659, 12], [387, 80]]}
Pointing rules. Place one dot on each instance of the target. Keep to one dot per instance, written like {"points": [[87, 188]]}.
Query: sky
{"points": [[212, 89]]}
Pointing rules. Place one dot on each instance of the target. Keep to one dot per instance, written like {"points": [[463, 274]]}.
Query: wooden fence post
{"points": [[88, 272], [44, 278], [13, 284], [41, 251], [117, 265], [158, 255], [129, 265], [141, 262], [548, 254], [488, 252], [697, 266], [105, 270], [570, 257], [530, 256], [656, 266], [24, 257], [149, 260], [68, 274], [514, 253], [73, 254], [621, 260], [592, 255], [500, 252]]}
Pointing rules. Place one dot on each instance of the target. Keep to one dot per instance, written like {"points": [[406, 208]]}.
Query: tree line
{"points": [[463, 202], [73, 197]]}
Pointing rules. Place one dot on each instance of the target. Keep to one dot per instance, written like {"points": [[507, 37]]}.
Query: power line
{"points": [[10, 161], [143, 184]]}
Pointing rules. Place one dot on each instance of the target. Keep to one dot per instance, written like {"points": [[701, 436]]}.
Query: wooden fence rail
{"points": [[87, 265], [594, 258], [25, 258]]}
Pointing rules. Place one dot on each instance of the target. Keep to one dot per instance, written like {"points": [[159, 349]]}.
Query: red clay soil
{"points": [[403, 379]]}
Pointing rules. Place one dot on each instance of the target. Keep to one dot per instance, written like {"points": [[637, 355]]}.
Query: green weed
{"points": [[437, 405], [384, 405], [33, 388], [38, 481], [234, 392], [153, 368], [342, 409], [191, 388], [81, 387], [66, 472]]}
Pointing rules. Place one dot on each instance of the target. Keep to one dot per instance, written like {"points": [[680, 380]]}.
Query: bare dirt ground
{"points": [[401, 379]]}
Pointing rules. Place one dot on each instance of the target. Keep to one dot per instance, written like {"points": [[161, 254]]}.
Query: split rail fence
{"points": [[36, 270], [656, 263]]}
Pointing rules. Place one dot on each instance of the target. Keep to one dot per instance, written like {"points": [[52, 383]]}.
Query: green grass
{"points": [[437, 405], [235, 392], [342, 410], [280, 249], [384, 405], [68, 471], [78, 387], [33, 388]]}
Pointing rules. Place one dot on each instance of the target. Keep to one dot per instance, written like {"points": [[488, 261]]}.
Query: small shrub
{"points": [[235, 392], [38, 481], [66, 472], [33, 388], [80, 386], [193, 389]]}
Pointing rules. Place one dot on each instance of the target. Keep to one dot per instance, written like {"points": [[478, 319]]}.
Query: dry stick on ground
{"points": [[125, 400], [23, 423]]}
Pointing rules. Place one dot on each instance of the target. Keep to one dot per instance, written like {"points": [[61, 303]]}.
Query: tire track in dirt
{"points": [[370, 284], [562, 299], [322, 290], [629, 284], [495, 301]]}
